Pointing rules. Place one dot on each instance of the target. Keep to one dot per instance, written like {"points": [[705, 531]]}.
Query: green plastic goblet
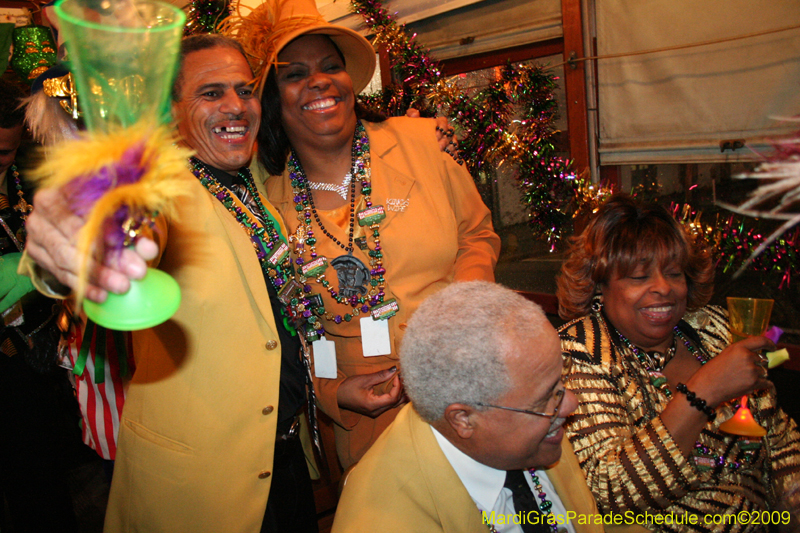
{"points": [[123, 56]]}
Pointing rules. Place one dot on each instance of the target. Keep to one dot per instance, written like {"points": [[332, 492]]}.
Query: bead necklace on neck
{"points": [[370, 293], [545, 505], [272, 252], [657, 378]]}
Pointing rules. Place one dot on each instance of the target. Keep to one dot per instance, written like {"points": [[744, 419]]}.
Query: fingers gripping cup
{"points": [[749, 317]]}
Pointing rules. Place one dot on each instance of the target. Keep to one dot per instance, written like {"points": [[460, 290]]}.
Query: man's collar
{"points": [[223, 177], [483, 483]]}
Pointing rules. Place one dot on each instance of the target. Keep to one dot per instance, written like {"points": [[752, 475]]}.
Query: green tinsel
{"points": [[204, 15], [551, 192]]}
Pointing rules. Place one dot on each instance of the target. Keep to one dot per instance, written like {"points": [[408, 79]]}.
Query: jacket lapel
{"points": [[568, 480], [393, 186], [243, 248], [457, 512]]}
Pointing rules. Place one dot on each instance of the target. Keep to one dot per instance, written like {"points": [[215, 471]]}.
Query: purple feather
{"points": [[84, 191]]}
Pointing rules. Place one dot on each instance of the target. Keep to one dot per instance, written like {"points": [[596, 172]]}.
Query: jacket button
{"points": [[272, 344], [265, 474], [267, 410]]}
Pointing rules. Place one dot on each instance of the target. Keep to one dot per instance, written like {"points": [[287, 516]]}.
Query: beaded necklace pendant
{"points": [[22, 206], [360, 288], [657, 378]]}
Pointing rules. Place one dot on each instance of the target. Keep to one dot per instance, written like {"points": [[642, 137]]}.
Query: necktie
{"points": [[524, 502]]}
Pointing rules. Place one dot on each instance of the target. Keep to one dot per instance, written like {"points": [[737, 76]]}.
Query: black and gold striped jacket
{"points": [[631, 462]]}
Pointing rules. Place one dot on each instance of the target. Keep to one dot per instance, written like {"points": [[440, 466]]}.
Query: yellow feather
{"points": [[261, 30], [155, 191]]}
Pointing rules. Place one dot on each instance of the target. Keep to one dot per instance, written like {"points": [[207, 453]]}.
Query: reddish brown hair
{"points": [[624, 234]]}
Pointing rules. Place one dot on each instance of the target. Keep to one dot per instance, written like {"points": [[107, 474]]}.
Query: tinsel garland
{"points": [[553, 194], [488, 137], [733, 239], [204, 15]]}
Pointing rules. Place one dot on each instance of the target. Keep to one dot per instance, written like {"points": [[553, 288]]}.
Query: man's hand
{"points": [[52, 236]]}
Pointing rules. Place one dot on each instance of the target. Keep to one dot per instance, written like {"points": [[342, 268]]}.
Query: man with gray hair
{"points": [[482, 367]]}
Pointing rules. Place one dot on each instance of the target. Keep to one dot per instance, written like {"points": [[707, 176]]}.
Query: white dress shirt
{"points": [[485, 486]]}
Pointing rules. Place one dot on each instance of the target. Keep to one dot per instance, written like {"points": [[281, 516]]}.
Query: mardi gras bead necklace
{"points": [[545, 506], [360, 288], [22, 206], [705, 458], [652, 365], [272, 252]]}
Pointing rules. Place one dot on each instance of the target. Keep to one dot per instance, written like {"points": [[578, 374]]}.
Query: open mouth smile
{"points": [[230, 133], [661, 312], [319, 105]]}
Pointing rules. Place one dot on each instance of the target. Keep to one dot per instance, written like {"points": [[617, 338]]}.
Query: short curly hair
{"points": [[457, 343], [624, 233]]}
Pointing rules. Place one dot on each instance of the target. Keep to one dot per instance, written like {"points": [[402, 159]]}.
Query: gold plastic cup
{"points": [[749, 316]]}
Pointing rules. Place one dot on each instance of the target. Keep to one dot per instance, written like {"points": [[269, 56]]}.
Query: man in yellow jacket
{"points": [[481, 444], [204, 442]]}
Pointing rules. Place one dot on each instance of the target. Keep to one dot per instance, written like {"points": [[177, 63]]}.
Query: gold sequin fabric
{"points": [[631, 462]]}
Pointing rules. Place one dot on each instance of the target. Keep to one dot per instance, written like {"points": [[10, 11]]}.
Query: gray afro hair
{"points": [[454, 347]]}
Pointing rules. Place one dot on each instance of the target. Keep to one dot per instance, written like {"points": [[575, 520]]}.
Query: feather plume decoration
{"points": [[260, 31], [779, 197], [112, 178], [47, 121]]}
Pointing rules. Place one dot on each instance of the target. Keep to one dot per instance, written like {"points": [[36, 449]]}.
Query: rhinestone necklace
{"points": [[341, 189]]}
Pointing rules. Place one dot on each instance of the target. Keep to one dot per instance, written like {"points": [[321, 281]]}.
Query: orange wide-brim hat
{"points": [[268, 28]]}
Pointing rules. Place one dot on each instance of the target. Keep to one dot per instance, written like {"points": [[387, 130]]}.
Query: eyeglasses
{"points": [[559, 395]]}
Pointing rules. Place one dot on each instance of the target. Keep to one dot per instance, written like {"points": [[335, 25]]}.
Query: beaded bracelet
{"points": [[697, 403]]}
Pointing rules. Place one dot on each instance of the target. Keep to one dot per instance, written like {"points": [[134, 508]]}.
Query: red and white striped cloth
{"points": [[100, 403]]}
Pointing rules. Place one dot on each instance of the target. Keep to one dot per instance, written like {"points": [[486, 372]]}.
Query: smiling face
{"points": [[217, 112], [510, 440], [647, 303], [317, 99]]}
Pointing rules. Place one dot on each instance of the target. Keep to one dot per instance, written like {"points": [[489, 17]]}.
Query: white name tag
{"points": [[375, 337], [324, 358]]}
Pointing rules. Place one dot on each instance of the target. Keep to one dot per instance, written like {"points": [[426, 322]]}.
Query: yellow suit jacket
{"points": [[405, 483], [437, 230], [197, 433]]}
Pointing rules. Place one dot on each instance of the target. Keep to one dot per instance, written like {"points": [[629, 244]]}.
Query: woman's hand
{"points": [[736, 371], [445, 134], [357, 393]]}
